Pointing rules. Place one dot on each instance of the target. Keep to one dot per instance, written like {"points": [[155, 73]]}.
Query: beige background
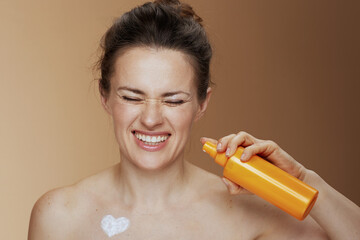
{"points": [[285, 70]]}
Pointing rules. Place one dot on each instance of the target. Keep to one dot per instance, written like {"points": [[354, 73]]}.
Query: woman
{"points": [[155, 85]]}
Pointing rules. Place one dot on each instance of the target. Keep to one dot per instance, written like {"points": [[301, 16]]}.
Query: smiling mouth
{"points": [[151, 139]]}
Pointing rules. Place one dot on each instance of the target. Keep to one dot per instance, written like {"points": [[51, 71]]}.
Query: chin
{"points": [[151, 161], [151, 165]]}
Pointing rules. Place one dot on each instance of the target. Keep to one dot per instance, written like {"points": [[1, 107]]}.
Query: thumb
{"points": [[233, 188]]}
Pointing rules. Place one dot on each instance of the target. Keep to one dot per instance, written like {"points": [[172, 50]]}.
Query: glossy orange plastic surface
{"points": [[267, 181]]}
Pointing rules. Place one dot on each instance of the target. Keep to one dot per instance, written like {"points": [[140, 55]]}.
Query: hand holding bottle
{"points": [[266, 149], [261, 177]]}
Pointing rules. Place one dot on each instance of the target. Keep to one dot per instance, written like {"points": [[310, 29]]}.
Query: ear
{"points": [[202, 107], [105, 103]]}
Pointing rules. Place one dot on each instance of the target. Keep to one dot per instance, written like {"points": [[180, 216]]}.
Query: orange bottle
{"points": [[267, 181]]}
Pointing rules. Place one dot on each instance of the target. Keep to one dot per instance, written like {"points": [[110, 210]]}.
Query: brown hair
{"points": [[160, 24]]}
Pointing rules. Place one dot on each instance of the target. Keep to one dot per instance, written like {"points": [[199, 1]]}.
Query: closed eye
{"points": [[130, 99], [177, 102], [174, 102]]}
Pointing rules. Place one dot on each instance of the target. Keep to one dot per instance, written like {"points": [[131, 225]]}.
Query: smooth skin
{"points": [[162, 194]]}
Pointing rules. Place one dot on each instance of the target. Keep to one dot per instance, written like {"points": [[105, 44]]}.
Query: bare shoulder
{"points": [[256, 217], [50, 211], [62, 207]]}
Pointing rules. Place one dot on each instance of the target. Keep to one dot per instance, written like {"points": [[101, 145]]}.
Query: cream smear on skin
{"points": [[113, 226]]}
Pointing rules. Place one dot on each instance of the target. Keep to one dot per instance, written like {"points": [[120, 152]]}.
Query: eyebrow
{"points": [[167, 94]]}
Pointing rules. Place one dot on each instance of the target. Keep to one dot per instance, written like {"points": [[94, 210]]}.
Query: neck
{"points": [[152, 190]]}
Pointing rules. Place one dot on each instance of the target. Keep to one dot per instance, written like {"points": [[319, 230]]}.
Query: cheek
{"points": [[182, 119], [123, 115]]}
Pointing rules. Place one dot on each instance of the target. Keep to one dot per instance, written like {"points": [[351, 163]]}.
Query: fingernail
{"points": [[243, 157], [218, 147], [227, 152]]}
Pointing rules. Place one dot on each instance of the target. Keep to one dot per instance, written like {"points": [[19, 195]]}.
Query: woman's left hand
{"points": [[266, 149]]}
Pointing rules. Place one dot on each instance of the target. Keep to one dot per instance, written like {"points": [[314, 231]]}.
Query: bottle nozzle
{"points": [[210, 149]]}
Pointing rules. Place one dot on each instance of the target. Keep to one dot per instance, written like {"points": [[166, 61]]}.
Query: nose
{"points": [[151, 115]]}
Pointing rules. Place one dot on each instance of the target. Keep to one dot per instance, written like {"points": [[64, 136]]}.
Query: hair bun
{"points": [[184, 9]]}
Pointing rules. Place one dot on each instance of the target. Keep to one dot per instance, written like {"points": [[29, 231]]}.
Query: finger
{"points": [[233, 188], [223, 142], [263, 148], [241, 139], [203, 140]]}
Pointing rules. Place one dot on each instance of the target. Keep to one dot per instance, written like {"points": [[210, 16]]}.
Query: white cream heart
{"points": [[112, 226]]}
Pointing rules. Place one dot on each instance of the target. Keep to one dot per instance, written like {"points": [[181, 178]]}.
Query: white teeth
{"points": [[150, 140]]}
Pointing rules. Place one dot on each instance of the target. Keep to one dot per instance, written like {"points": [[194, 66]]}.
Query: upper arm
{"points": [[285, 226], [273, 223], [49, 217]]}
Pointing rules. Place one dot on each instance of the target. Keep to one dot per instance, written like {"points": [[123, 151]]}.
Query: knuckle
{"points": [[253, 149], [241, 137], [247, 136], [227, 138], [249, 150], [232, 135], [220, 140], [242, 133], [230, 138], [272, 144]]}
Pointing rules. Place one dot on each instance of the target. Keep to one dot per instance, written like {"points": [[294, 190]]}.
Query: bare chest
{"points": [[193, 223]]}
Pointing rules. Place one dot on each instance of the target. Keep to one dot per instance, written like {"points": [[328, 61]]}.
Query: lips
{"points": [[151, 141]]}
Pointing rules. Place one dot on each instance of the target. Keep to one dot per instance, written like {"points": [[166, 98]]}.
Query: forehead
{"points": [[154, 71]]}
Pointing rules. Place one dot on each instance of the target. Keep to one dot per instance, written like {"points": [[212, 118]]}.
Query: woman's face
{"points": [[153, 104]]}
